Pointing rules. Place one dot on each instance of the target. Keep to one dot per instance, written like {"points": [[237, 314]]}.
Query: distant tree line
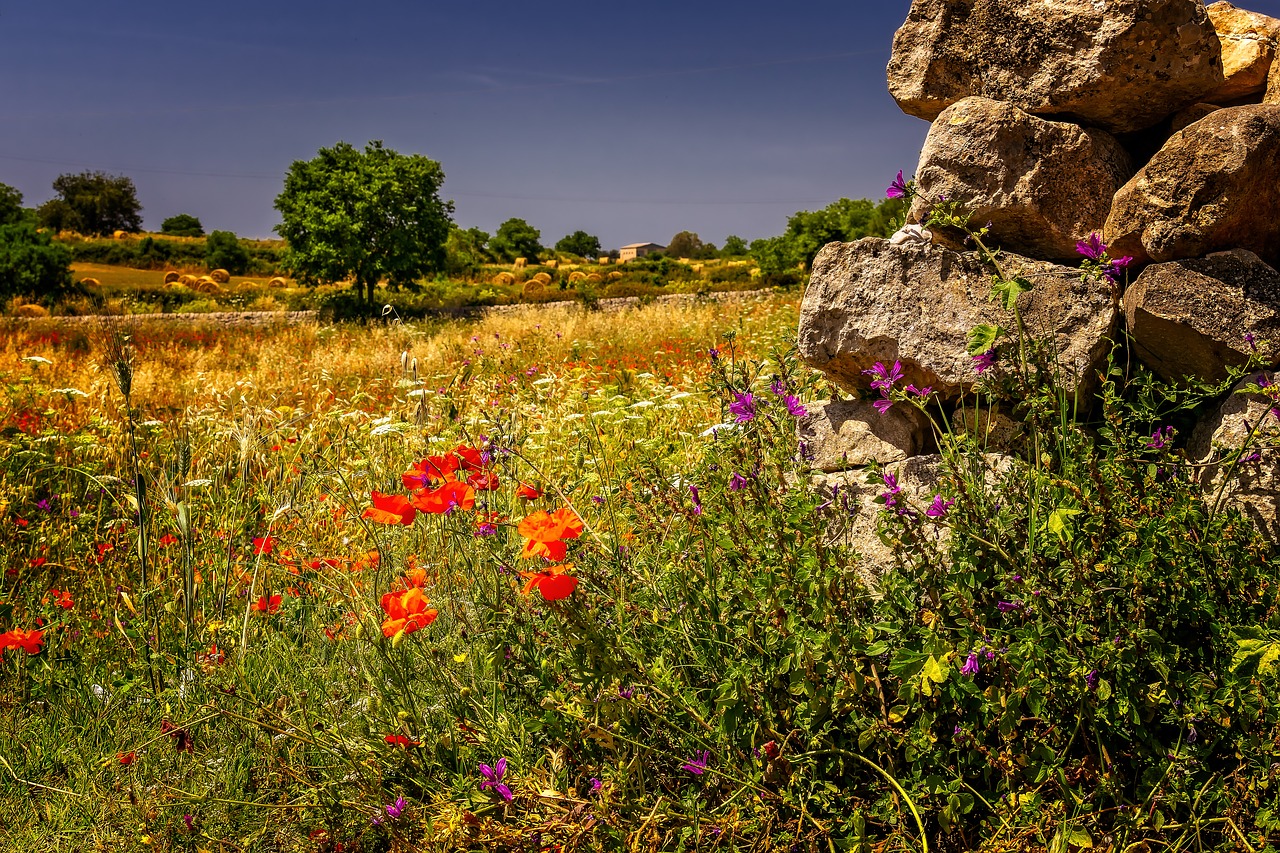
{"points": [[808, 231]]}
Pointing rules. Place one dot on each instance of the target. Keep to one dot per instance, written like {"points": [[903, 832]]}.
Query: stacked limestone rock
{"points": [[1155, 123]]}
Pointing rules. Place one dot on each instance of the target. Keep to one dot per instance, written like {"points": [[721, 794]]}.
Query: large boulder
{"points": [[1273, 85], [1249, 42], [1250, 483], [1121, 65], [870, 302], [1214, 185], [842, 434], [1190, 317], [1043, 185]]}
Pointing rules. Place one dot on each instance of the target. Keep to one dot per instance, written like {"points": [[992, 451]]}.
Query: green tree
{"points": [[734, 247], [465, 251], [223, 251], [31, 264], [579, 243], [364, 215], [10, 205], [182, 225], [807, 232], [92, 203], [687, 244], [516, 239]]}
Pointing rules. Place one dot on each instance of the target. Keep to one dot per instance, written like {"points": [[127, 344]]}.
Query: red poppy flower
{"points": [[472, 459], [181, 737], [527, 492], [483, 481], [271, 605], [433, 469], [554, 550], [406, 611], [28, 641], [62, 598], [551, 583], [263, 545], [452, 495], [166, 540], [401, 741], [390, 509], [126, 758]]}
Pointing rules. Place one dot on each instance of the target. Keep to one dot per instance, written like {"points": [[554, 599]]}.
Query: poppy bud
{"points": [[397, 639]]}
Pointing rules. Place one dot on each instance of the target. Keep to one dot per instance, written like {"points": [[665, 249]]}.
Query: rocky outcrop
{"points": [[870, 302], [990, 428], [1252, 482], [1042, 185], [1273, 85], [1249, 43], [843, 434], [1121, 65], [1214, 185], [1189, 116], [1191, 317]]}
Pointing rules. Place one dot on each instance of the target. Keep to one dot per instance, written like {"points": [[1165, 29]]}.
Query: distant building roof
{"points": [[642, 245]]}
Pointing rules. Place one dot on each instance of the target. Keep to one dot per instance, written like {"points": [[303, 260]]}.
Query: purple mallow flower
{"points": [[1091, 679], [697, 501], [885, 377], [1092, 247], [794, 407], [395, 809], [1252, 340], [698, 764], [737, 482], [939, 507], [743, 408], [1113, 270], [1160, 438], [898, 188], [493, 779], [970, 666], [1008, 606], [982, 362]]}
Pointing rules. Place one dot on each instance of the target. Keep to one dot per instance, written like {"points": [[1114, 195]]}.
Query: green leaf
{"points": [[1008, 291], [1257, 651], [1057, 522], [982, 338], [934, 671]]}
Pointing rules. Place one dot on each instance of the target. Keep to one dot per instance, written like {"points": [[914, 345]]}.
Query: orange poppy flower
{"points": [[452, 495], [406, 611], [262, 545], [126, 758], [390, 509], [415, 577], [528, 492], [61, 598], [570, 524], [552, 583], [539, 527], [166, 540], [267, 605], [554, 550], [28, 641]]}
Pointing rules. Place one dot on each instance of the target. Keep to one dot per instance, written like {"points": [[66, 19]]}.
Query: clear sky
{"points": [[631, 121]]}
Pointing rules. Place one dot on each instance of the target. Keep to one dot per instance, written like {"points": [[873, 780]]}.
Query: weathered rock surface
{"points": [[1214, 185], [1190, 115], [1190, 317], [1121, 65], [853, 519], [843, 434], [1273, 85], [991, 428], [1253, 484], [1249, 42], [1043, 185], [871, 302]]}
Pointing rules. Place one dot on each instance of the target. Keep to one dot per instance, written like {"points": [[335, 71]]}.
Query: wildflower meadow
{"points": [[564, 580]]}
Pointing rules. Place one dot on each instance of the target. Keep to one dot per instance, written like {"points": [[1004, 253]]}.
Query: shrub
{"points": [[223, 251], [182, 225], [31, 264]]}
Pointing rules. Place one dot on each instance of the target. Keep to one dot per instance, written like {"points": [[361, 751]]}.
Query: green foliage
{"points": [[516, 239], [92, 203], [152, 253], [579, 243], [808, 231], [182, 225], [466, 251], [223, 251], [10, 205], [734, 247], [31, 264], [686, 244], [364, 216]]}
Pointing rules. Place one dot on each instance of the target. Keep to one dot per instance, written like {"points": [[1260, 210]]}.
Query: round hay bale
{"points": [[186, 280], [542, 277], [615, 275], [576, 276], [553, 264], [533, 287], [171, 276], [220, 276], [504, 278], [277, 282], [118, 235], [30, 310], [521, 262], [594, 278], [90, 282]]}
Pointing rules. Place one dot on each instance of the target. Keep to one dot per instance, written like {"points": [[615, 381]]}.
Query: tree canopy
{"points": [[31, 264], [223, 251], [182, 225], [92, 203], [808, 231], [364, 216], [687, 244], [10, 205], [579, 243], [516, 239], [734, 247]]}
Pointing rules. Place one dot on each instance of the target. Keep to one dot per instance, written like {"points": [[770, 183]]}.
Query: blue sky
{"points": [[629, 121]]}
